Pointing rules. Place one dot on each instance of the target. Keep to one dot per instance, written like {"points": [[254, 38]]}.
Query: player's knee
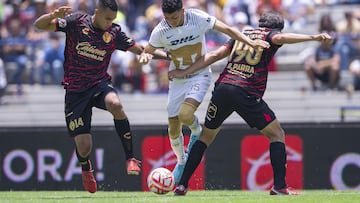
{"points": [[208, 135], [186, 113], [115, 105], [116, 108], [84, 149]]}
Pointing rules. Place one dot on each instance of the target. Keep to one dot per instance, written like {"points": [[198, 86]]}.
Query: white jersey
{"points": [[185, 43]]}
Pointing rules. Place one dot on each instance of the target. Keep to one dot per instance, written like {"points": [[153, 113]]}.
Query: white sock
{"points": [[177, 146], [195, 126]]}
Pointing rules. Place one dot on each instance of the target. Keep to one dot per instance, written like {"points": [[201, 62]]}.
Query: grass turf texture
{"points": [[308, 196]]}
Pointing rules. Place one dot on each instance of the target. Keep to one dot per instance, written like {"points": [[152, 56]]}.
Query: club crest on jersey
{"points": [[107, 37], [85, 30], [62, 23]]}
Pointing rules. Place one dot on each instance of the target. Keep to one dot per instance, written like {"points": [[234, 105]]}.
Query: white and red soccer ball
{"points": [[160, 181]]}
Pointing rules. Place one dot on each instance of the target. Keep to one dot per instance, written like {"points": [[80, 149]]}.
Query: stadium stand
{"points": [[288, 94]]}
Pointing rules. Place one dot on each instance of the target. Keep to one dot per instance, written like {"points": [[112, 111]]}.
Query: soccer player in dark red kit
{"points": [[90, 41], [240, 88]]}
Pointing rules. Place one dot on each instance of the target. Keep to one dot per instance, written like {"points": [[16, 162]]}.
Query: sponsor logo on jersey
{"points": [[87, 50], [184, 40], [62, 23], [256, 170], [156, 152]]}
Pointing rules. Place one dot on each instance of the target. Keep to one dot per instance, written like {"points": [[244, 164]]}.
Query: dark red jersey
{"points": [[248, 68], [88, 50]]}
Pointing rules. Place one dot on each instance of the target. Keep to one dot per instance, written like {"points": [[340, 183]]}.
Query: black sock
{"points": [[123, 130], [278, 163], [84, 162], [195, 156]]}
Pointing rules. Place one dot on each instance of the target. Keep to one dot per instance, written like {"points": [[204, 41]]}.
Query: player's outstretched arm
{"points": [[291, 38], [149, 52], [146, 56], [237, 35], [47, 21], [202, 62]]}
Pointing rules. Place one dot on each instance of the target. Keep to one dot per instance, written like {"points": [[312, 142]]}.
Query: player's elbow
{"points": [[278, 39], [36, 24], [214, 56]]}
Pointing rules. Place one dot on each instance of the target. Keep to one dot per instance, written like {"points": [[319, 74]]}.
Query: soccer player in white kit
{"points": [[182, 34]]}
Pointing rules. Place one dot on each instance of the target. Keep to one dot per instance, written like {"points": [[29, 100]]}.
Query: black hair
{"points": [[108, 4], [272, 20], [170, 6]]}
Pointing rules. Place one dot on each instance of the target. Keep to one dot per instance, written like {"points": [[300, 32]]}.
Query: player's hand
{"points": [[145, 58], [176, 74], [61, 12], [325, 37], [260, 44]]}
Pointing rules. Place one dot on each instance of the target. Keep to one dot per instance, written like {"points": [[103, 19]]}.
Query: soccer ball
{"points": [[160, 181]]}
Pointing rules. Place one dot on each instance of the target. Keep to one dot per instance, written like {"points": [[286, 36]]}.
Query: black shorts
{"points": [[228, 98], [78, 107]]}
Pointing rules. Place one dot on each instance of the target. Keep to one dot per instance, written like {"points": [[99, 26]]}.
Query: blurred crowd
{"points": [[35, 57], [328, 61]]}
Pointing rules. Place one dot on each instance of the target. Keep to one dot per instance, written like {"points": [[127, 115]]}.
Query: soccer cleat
{"points": [[193, 138], [89, 181], [180, 190], [177, 172], [283, 191], [133, 166]]}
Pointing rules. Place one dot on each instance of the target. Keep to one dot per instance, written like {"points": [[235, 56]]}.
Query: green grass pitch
{"points": [[208, 196]]}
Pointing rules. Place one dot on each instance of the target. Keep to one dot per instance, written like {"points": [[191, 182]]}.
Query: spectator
{"points": [[296, 12], [233, 6], [16, 13], [241, 21], [326, 24], [126, 73], [37, 38], [53, 61], [323, 66], [119, 70], [268, 5], [213, 38], [354, 68], [161, 70], [3, 81], [14, 50], [348, 41]]}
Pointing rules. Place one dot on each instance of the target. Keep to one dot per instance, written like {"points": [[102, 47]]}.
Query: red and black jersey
{"points": [[248, 68], [88, 50]]}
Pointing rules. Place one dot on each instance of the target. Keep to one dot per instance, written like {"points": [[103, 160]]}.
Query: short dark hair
{"points": [[170, 6], [272, 20], [108, 4]]}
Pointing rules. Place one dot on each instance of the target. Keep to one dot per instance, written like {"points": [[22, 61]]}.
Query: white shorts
{"points": [[194, 87]]}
